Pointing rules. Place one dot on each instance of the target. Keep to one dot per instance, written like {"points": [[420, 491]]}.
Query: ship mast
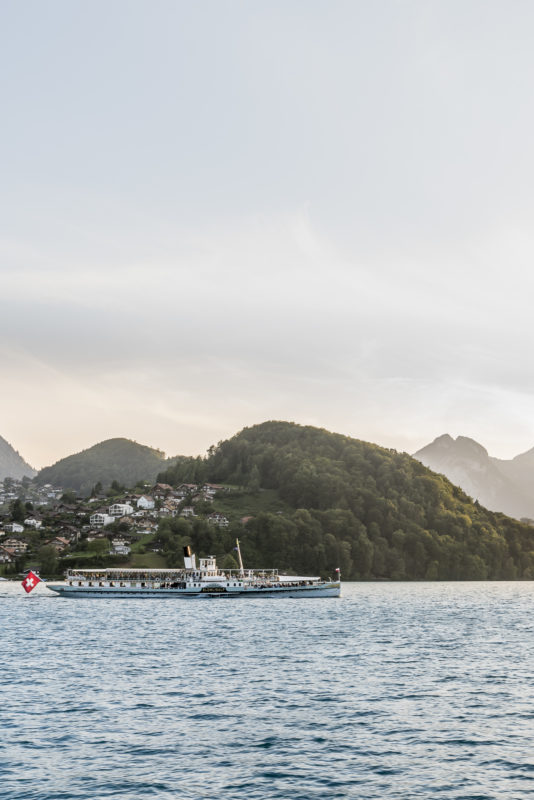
{"points": [[241, 570]]}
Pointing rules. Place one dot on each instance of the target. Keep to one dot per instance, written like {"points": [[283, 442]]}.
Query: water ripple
{"points": [[395, 691]]}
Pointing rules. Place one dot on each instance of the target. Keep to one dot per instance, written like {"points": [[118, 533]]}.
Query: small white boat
{"points": [[203, 581]]}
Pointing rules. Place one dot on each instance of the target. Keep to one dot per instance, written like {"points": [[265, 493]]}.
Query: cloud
{"points": [[197, 235], [267, 319]]}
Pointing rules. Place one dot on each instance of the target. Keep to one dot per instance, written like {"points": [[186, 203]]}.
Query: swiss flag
{"points": [[30, 581]]}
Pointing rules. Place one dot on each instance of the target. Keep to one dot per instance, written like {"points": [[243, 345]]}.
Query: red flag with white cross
{"points": [[30, 581]]}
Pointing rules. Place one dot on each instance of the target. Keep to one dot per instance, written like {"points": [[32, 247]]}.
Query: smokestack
{"points": [[190, 561]]}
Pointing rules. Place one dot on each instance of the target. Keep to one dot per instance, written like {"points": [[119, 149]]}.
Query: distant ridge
{"points": [[499, 485], [12, 465], [118, 460]]}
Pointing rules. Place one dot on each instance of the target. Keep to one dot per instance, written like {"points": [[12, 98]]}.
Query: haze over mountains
{"points": [[498, 484], [12, 465]]}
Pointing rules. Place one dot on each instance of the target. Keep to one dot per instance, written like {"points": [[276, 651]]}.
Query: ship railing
{"points": [[125, 575], [251, 572]]}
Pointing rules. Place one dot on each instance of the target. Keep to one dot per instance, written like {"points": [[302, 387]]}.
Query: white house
{"points": [[31, 522], [100, 520], [188, 511], [146, 502], [120, 510], [211, 489], [120, 547], [13, 527], [218, 519]]}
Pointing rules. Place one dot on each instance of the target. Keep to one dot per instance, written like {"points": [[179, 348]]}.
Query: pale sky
{"points": [[219, 212]]}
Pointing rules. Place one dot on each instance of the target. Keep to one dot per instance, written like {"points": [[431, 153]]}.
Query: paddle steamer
{"points": [[204, 580]]}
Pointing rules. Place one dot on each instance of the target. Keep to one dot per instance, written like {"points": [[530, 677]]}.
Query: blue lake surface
{"points": [[393, 691]]}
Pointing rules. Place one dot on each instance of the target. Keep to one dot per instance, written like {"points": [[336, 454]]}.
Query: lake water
{"points": [[393, 691]]}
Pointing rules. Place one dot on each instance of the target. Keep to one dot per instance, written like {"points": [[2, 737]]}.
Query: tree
{"points": [[363, 553], [18, 510], [253, 482], [115, 489], [432, 572], [48, 560], [20, 563], [229, 562]]}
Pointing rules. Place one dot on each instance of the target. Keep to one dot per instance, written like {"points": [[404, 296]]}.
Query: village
{"points": [[33, 518]]}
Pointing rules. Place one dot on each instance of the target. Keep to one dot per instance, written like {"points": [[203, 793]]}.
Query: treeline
{"points": [[375, 513], [119, 460]]}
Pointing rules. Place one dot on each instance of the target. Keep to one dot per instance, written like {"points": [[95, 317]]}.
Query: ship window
{"points": [[80, 583]]}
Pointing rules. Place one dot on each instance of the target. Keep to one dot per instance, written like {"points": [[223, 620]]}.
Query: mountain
{"points": [[497, 484], [118, 460], [331, 500], [12, 465], [520, 471]]}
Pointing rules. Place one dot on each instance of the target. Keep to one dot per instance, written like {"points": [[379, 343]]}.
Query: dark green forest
{"points": [[118, 460], [377, 514]]}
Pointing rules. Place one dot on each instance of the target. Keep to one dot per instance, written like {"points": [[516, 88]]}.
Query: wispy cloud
{"points": [[207, 236]]}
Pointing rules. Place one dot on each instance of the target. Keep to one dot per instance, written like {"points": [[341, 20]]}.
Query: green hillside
{"points": [[118, 460], [376, 513]]}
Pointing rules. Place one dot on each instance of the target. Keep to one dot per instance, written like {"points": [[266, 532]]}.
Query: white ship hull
{"points": [[320, 590]]}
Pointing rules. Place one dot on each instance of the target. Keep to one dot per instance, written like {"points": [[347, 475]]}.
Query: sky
{"points": [[218, 213]]}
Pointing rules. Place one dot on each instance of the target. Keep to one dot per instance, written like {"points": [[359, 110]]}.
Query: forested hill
{"points": [[118, 460], [377, 513]]}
